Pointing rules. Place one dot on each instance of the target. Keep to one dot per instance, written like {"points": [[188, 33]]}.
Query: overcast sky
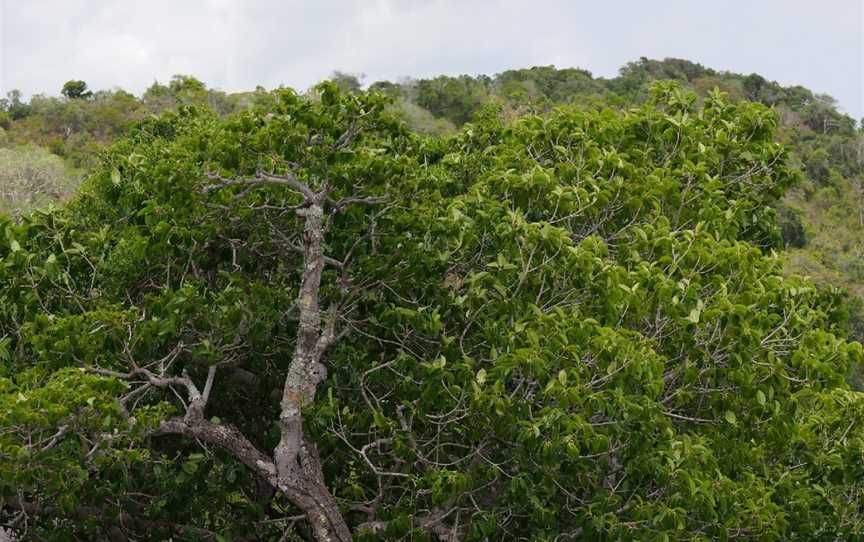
{"points": [[238, 44]]}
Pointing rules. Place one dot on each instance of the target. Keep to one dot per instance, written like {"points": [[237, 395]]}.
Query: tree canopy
{"points": [[304, 320], [76, 90]]}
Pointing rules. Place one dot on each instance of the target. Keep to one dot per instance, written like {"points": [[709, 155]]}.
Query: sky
{"points": [[237, 44]]}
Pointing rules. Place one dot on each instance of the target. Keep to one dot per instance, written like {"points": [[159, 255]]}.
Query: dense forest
{"points": [[538, 305]]}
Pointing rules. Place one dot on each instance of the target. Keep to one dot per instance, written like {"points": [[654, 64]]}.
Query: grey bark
{"points": [[295, 469]]}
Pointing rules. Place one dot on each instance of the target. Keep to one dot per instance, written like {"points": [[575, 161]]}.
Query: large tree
{"points": [[306, 321]]}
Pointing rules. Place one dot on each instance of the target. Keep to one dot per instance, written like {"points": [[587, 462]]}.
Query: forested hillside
{"points": [[822, 216], [535, 306]]}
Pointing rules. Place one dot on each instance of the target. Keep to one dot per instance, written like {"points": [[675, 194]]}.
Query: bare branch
{"points": [[349, 200], [260, 179], [52, 441], [227, 437], [687, 418], [197, 401], [347, 136], [433, 522], [208, 386], [153, 379], [377, 446]]}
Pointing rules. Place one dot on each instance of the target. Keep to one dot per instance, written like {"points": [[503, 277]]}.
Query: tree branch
{"points": [[289, 180], [433, 522], [153, 379], [208, 386], [364, 200], [327, 259], [197, 400], [227, 437]]}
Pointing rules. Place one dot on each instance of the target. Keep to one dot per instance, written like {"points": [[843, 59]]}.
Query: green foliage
{"points": [[454, 98], [569, 325], [76, 90], [563, 325], [78, 127], [817, 166], [792, 228], [387, 88], [347, 82], [823, 142], [185, 90], [32, 177], [421, 120], [546, 84], [14, 105]]}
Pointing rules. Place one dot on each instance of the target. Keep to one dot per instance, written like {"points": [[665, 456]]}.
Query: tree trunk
{"points": [[298, 468]]}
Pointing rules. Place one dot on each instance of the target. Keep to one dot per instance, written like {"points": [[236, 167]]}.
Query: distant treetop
{"points": [[76, 90]]}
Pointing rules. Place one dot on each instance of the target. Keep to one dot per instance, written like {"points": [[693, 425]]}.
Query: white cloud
{"points": [[237, 44]]}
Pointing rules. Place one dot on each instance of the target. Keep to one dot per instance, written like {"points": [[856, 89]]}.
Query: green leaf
{"points": [[760, 397], [380, 420]]}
